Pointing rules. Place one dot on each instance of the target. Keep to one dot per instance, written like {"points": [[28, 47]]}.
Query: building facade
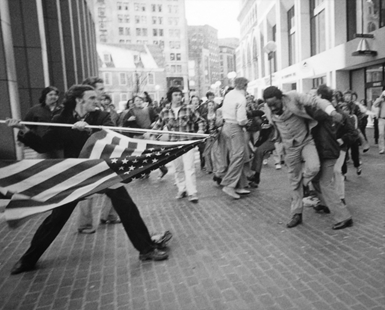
{"points": [[132, 69], [148, 22], [316, 42], [227, 59], [42, 43], [204, 67]]}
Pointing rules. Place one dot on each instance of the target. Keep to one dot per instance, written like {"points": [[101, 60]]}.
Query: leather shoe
{"points": [[86, 231], [154, 255], [343, 224], [231, 192], [181, 195], [295, 220], [19, 267], [321, 209], [160, 241]]}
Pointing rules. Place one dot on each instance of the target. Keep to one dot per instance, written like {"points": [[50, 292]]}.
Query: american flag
{"points": [[32, 186]]}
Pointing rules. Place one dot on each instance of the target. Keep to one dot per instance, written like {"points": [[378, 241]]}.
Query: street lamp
{"points": [[231, 76], [269, 49], [157, 87]]}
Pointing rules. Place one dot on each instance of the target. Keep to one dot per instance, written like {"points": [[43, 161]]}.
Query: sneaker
{"points": [[382, 151], [359, 170], [218, 180], [278, 167], [181, 195], [242, 191], [231, 192], [193, 198], [321, 209], [155, 255], [160, 240], [86, 230]]}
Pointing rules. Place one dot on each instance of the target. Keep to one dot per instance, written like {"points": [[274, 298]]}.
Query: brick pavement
{"points": [[225, 254]]}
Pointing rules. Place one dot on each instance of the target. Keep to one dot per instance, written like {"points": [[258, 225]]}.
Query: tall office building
{"points": [[317, 41], [227, 59], [159, 22], [42, 43], [204, 68]]}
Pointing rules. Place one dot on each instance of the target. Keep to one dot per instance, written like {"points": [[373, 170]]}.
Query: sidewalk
{"points": [[225, 254]]}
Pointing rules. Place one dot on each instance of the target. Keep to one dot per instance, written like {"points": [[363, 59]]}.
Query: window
{"points": [[178, 56], [155, 42], [175, 9], [159, 8], [137, 19], [171, 33], [107, 78], [291, 33], [177, 33], [103, 38], [161, 32], [128, 41], [169, 21], [144, 32], [122, 79], [120, 18], [138, 31], [125, 4], [121, 29], [126, 18], [119, 4], [101, 11], [151, 78], [101, 24], [179, 69], [139, 42], [155, 32], [173, 68], [177, 44], [143, 8], [121, 41], [176, 21], [374, 74], [107, 57], [172, 56], [365, 17], [136, 7], [127, 31], [154, 20], [153, 6], [318, 81], [124, 97], [160, 20], [144, 19], [317, 27], [170, 8]]}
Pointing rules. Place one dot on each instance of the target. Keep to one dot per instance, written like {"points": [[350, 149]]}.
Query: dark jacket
{"points": [[326, 133], [66, 138]]}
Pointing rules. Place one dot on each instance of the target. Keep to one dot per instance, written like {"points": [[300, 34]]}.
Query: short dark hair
{"points": [[45, 92], [75, 91], [172, 90], [209, 93], [92, 81], [271, 92], [107, 97], [325, 92]]}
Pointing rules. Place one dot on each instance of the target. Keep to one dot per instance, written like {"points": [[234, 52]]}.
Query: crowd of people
{"points": [[311, 134]]}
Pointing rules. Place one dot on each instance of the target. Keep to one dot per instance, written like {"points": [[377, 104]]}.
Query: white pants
{"points": [[185, 173]]}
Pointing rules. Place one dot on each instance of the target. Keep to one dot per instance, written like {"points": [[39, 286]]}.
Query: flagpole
{"points": [[114, 128]]}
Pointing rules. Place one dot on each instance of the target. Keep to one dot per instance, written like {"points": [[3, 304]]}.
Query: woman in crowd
{"points": [[43, 112]]}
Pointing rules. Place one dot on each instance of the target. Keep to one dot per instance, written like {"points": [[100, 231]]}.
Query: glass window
{"points": [[151, 78], [143, 8], [107, 78], [137, 19], [126, 6], [124, 97], [317, 27], [121, 30], [153, 6], [178, 68], [173, 68], [136, 6], [172, 56], [101, 11], [178, 56], [155, 32], [154, 20], [159, 8], [138, 31], [127, 31], [128, 41], [120, 18], [143, 19], [291, 33], [122, 79], [119, 5], [160, 20], [170, 8], [126, 18], [374, 74], [161, 32]]}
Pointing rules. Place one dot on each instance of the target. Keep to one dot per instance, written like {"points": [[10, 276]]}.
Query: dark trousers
{"points": [[127, 210], [355, 154], [376, 131]]}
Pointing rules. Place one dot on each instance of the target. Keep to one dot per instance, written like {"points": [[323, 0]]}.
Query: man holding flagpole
{"points": [[80, 110]]}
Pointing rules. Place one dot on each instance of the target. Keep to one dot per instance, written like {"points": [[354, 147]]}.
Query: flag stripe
{"points": [[18, 167]]}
